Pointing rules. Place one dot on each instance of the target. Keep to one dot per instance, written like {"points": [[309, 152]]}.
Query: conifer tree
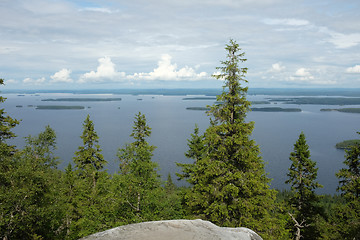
{"points": [[195, 152], [349, 186], [230, 186], [304, 201], [138, 173], [89, 159]]}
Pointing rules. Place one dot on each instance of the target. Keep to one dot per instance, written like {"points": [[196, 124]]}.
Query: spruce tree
{"points": [[195, 152], [349, 186], [230, 186], [88, 159], [304, 202], [138, 173]]}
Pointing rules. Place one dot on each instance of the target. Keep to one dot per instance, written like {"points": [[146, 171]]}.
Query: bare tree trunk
{"points": [[298, 226]]}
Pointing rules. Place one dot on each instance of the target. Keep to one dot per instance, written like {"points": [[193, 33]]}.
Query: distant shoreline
{"points": [[325, 92]]}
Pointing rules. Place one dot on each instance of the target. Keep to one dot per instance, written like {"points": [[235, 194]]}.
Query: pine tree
{"points": [[304, 201], [349, 186], [230, 186], [138, 173], [89, 160]]}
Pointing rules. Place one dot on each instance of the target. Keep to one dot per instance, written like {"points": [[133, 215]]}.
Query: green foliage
{"points": [[26, 210], [230, 187], [195, 152], [7, 123], [304, 202], [88, 159], [349, 186], [138, 173]]}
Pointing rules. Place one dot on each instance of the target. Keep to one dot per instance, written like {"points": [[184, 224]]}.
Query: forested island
{"points": [[319, 100], [347, 144], [81, 99], [199, 98], [58, 107], [275, 109], [345, 110], [264, 109]]}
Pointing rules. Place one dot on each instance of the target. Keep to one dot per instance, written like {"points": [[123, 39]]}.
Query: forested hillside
{"points": [[228, 182]]}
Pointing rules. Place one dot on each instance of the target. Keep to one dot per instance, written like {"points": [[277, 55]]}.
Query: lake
{"points": [[172, 124]]}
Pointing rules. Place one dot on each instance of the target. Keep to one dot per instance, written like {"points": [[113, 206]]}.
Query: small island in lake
{"points": [[265, 109], [81, 99], [59, 107], [319, 100], [347, 144], [198, 108], [199, 98], [275, 109], [345, 110]]}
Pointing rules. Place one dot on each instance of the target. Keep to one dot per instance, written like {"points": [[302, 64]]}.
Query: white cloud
{"points": [[105, 71], [341, 40], [97, 9], [168, 71], [286, 21], [34, 82], [62, 76], [303, 76], [303, 72], [276, 67], [354, 69], [11, 81]]}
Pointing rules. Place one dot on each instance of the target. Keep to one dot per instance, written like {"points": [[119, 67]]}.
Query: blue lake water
{"points": [[172, 125]]}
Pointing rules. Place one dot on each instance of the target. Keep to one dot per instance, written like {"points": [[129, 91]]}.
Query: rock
{"points": [[175, 230]]}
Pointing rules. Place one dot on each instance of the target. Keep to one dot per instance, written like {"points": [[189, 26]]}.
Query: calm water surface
{"points": [[172, 125]]}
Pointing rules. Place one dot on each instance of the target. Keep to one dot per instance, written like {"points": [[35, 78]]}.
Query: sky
{"points": [[117, 44]]}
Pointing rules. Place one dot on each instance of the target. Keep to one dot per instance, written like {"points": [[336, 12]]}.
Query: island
{"points": [[347, 144], [198, 108], [199, 98], [275, 109], [319, 100], [345, 110], [265, 109], [259, 102], [81, 99], [58, 107]]}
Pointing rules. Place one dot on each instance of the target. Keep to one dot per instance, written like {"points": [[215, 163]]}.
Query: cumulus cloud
{"points": [[168, 71], [354, 69], [276, 67], [62, 76], [303, 75], [33, 81], [286, 21], [105, 71]]}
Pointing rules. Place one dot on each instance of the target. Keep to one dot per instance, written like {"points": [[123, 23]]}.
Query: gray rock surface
{"points": [[175, 230]]}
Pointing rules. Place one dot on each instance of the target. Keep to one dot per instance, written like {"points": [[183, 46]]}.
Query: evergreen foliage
{"points": [[230, 186], [349, 186], [88, 159], [138, 173], [195, 152], [304, 202]]}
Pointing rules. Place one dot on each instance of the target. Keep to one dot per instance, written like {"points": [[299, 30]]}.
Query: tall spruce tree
{"points": [[230, 186], [349, 186], [304, 202], [138, 173], [88, 159]]}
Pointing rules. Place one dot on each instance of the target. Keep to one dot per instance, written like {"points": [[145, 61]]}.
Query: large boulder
{"points": [[175, 230]]}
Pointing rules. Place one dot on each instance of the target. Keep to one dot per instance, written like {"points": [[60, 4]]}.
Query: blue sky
{"points": [[63, 44]]}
